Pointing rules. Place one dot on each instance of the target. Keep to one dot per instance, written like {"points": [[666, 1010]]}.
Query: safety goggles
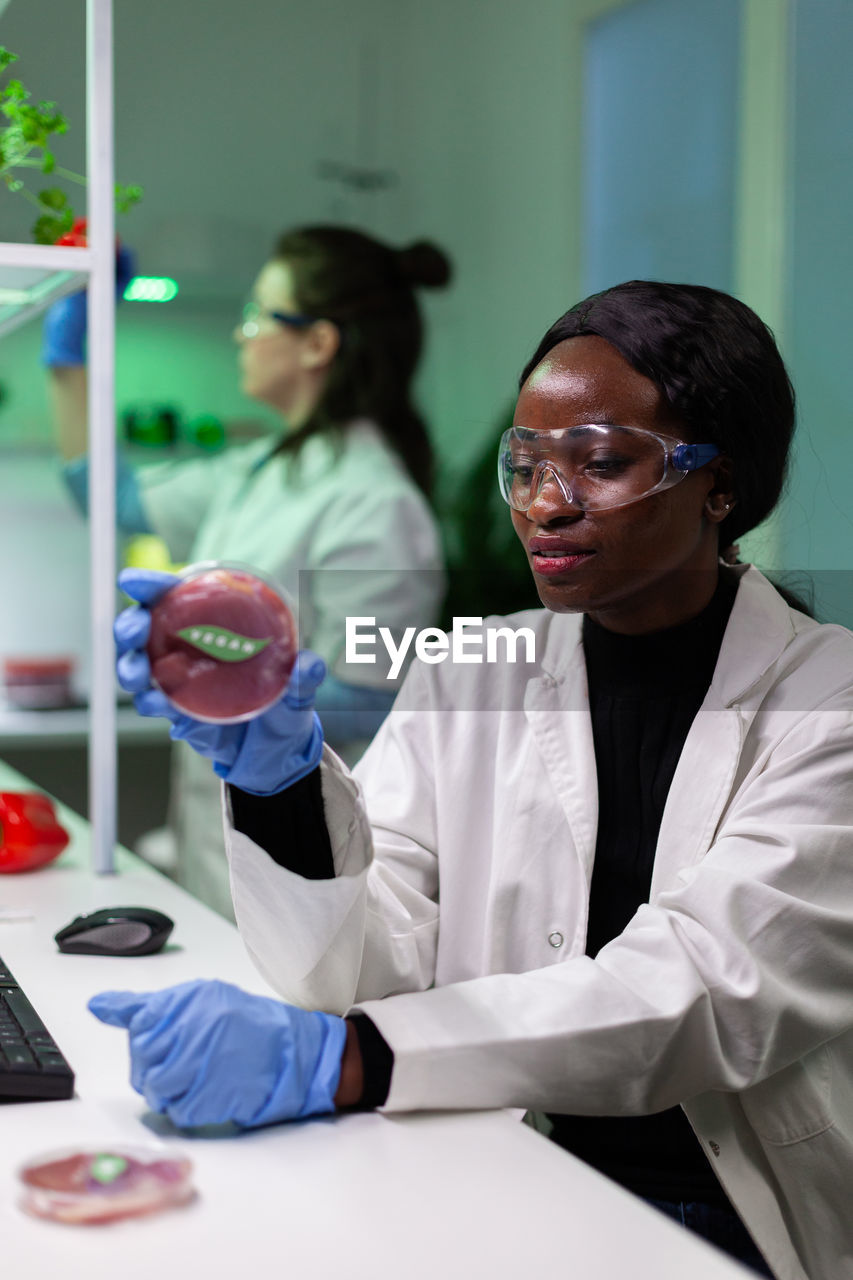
{"points": [[595, 467], [257, 322]]}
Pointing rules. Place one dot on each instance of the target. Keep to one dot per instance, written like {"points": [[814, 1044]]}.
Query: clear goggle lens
{"points": [[596, 467], [255, 321]]}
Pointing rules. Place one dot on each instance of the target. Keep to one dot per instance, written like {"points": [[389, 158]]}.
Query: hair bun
{"points": [[423, 263]]}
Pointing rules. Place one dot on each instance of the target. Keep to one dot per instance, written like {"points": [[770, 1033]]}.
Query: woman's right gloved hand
{"points": [[262, 756], [208, 1053]]}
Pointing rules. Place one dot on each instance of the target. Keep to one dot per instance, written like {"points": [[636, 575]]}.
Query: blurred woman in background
{"points": [[335, 508]]}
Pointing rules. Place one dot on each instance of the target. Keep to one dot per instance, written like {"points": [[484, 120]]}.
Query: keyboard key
{"points": [[18, 1056], [47, 1053], [23, 1011], [31, 1064]]}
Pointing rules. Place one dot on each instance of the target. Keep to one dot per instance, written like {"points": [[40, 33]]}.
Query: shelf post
{"points": [[101, 446]]}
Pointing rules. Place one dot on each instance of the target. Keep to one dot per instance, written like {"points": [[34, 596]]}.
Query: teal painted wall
{"points": [[818, 530], [665, 131], [659, 143]]}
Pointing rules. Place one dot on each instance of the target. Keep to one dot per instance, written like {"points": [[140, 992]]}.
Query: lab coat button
{"points": [[715, 1147], [555, 939]]}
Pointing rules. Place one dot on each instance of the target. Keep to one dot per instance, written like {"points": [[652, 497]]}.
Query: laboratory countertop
{"points": [[425, 1197], [70, 726]]}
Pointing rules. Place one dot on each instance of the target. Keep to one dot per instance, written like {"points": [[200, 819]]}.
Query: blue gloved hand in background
{"points": [[64, 329], [262, 756], [209, 1053]]}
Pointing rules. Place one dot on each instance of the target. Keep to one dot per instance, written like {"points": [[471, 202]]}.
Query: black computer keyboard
{"points": [[31, 1065]]}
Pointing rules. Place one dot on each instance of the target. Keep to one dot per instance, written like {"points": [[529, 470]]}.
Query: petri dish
{"points": [[99, 1185], [223, 642]]}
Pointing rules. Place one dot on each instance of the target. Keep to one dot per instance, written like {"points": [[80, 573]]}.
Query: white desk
{"points": [[423, 1197]]}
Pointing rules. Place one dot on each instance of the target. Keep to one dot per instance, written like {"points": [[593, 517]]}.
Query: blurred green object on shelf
{"points": [[154, 426], [206, 431], [162, 426]]}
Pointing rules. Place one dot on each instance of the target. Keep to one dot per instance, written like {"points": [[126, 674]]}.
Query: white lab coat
{"points": [[342, 528], [730, 992]]}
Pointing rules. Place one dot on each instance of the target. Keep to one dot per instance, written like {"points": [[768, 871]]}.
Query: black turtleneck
{"points": [[644, 694]]}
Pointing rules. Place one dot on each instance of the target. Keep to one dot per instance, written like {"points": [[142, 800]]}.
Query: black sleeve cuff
{"points": [[377, 1059], [290, 826]]}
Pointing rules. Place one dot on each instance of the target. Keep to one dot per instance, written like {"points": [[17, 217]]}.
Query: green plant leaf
{"points": [[53, 198], [49, 227], [127, 197], [24, 145]]}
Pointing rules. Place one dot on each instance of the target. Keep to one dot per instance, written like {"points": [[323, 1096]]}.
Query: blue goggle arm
{"points": [[296, 318], [690, 457]]}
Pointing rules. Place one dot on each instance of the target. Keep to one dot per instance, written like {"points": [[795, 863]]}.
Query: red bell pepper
{"points": [[30, 834]]}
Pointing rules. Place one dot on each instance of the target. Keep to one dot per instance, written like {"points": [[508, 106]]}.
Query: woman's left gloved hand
{"points": [[209, 1053], [262, 756]]}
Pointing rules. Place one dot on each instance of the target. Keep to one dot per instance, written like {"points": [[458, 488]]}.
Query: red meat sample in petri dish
{"points": [[96, 1187], [223, 643]]}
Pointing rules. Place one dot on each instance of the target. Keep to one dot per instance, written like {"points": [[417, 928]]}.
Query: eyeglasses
{"points": [[257, 322], [595, 467]]}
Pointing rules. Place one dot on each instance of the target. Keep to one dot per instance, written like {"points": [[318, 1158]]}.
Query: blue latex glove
{"points": [[64, 329], [209, 1053], [263, 755]]}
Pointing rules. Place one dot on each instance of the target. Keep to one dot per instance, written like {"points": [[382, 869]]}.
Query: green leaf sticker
{"points": [[222, 644], [106, 1168]]}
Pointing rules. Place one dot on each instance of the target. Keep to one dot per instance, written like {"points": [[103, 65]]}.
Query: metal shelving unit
{"points": [[44, 273], [26, 290]]}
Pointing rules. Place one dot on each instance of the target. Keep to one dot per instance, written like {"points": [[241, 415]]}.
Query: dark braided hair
{"points": [[367, 289]]}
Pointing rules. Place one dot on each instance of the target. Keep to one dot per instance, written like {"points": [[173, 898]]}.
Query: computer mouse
{"points": [[116, 931]]}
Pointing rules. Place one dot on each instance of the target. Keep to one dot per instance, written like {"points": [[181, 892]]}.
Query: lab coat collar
{"points": [[760, 628], [556, 705], [758, 631]]}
